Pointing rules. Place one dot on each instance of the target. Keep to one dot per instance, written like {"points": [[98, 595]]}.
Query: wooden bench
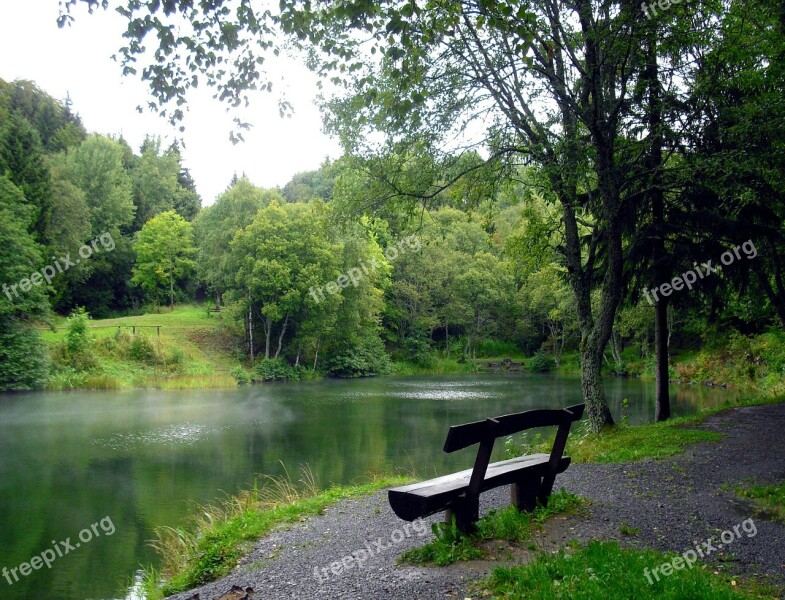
{"points": [[530, 476]]}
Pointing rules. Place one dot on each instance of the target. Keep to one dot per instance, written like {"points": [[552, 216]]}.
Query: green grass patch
{"points": [[219, 534], [631, 443], [193, 351], [437, 366], [767, 500], [620, 443], [451, 545], [603, 570]]}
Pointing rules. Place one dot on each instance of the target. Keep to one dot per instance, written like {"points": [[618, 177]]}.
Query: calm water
{"points": [[142, 458]]}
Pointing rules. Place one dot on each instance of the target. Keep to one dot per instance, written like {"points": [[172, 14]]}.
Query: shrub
{"points": [[540, 363], [142, 349], [25, 364], [77, 338], [274, 369], [240, 375], [362, 357], [417, 350]]}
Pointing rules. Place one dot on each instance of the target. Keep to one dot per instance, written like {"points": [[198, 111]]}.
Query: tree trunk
{"points": [[280, 337], [662, 393], [250, 327], [447, 338], [316, 354], [659, 257], [593, 390], [268, 329], [171, 291]]}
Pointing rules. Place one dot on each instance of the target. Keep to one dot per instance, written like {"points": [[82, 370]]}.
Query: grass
{"points": [[768, 500], [508, 523], [438, 366], [605, 570], [188, 382], [221, 533], [620, 443], [194, 351], [632, 443]]}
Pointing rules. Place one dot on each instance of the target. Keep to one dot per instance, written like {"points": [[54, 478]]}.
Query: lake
{"points": [[112, 466]]}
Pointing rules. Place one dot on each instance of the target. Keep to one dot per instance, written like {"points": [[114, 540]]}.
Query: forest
{"points": [[625, 203]]}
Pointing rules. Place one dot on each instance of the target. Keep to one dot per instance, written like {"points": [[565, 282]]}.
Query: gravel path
{"points": [[675, 504]]}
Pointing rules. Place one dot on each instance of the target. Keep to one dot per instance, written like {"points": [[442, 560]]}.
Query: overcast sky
{"points": [[76, 60]]}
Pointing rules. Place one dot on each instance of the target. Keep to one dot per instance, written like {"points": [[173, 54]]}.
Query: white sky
{"points": [[77, 60]]}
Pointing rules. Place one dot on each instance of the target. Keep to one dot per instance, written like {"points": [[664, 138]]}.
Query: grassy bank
{"points": [[221, 534], [180, 349], [630, 443], [605, 570]]}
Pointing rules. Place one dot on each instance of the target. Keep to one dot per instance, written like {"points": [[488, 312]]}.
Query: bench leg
{"points": [[525, 493], [465, 516]]}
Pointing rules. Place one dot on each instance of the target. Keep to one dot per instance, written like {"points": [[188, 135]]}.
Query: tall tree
{"points": [[96, 168], [23, 359], [164, 254], [22, 161]]}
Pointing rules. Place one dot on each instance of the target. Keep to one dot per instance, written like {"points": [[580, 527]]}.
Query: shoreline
{"points": [[647, 496]]}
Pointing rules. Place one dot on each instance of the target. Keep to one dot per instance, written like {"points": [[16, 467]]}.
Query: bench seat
{"points": [[425, 498]]}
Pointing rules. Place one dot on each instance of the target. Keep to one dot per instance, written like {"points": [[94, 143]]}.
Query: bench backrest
{"points": [[486, 432], [468, 434]]}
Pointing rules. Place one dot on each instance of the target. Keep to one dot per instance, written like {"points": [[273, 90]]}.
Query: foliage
{"points": [[361, 357], [78, 338], [274, 369], [23, 358], [141, 349], [540, 363], [164, 250], [240, 375]]}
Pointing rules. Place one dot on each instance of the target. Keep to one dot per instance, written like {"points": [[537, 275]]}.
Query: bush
{"points": [[417, 350], [142, 349], [24, 363], [359, 358], [274, 369], [540, 363], [77, 339], [240, 375]]}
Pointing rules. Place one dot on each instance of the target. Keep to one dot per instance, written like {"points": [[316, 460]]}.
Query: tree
{"points": [[164, 250], [58, 128], [96, 168], [276, 260], [156, 184], [22, 161], [216, 226], [23, 358]]}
